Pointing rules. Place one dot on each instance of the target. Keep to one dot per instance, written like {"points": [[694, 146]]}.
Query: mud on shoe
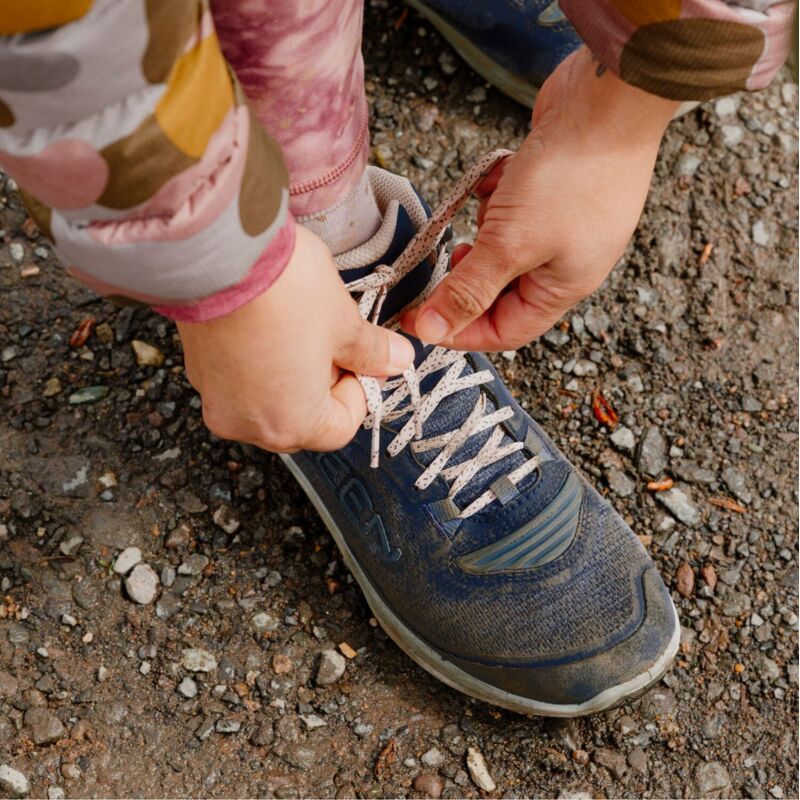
{"points": [[481, 551]]}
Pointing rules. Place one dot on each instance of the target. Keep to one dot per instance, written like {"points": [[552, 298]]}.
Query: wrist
{"points": [[612, 108]]}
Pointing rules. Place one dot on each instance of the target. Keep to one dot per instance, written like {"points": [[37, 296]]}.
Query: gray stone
{"points": [[761, 234], [167, 606], [70, 545], [300, 757], [433, 758], [142, 584], [330, 668], [197, 660], [45, 727], [575, 794], [127, 560], [732, 135], [623, 438], [89, 394], [619, 482], [597, 322], [193, 565], [726, 106], [263, 621], [687, 165], [637, 761], [13, 782], [737, 484], [712, 779], [678, 501], [691, 472], [312, 721], [55, 793], [767, 669], [556, 338], [250, 479], [188, 688], [736, 604], [583, 367], [228, 726], [168, 575], [651, 457]]}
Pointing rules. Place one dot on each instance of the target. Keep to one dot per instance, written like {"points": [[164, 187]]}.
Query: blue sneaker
{"points": [[481, 551], [513, 45]]}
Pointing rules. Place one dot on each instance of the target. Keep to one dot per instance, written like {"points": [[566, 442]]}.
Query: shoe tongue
{"points": [[404, 212]]}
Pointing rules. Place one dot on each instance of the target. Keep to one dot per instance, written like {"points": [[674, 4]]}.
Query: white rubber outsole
{"points": [[457, 678]]}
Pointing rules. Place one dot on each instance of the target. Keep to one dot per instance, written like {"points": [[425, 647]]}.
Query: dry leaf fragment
{"points": [[727, 504], [603, 412], [706, 254], [660, 486], [387, 757], [82, 332]]}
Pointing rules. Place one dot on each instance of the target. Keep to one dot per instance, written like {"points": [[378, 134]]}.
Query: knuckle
{"points": [[465, 297]]}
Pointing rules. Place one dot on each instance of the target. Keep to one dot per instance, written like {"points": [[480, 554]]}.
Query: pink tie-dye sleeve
{"points": [[138, 155], [687, 49]]}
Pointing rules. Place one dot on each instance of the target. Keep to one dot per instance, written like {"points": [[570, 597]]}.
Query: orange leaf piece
{"points": [[401, 19], [603, 412], [706, 254], [727, 504], [660, 486], [82, 332]]}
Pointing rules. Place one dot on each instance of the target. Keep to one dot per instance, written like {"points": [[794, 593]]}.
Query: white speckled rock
{"points": [[13, 782], [142, 584]]}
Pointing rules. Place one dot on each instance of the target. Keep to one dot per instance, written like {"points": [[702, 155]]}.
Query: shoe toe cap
{"points": [[599, 680]]}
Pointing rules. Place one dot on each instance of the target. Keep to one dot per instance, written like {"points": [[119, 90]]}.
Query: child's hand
{"points": [[556, 217], [269, 373]]}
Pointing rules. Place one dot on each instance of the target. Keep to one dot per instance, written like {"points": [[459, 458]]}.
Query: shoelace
{"points": [[401, 396]]}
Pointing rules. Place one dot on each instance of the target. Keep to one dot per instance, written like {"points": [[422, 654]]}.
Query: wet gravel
{"points": [[231, 654]]}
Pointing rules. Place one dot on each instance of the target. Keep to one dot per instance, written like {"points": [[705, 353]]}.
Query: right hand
{"points": [[277, 372]]}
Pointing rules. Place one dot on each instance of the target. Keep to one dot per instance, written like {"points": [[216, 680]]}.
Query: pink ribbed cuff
{"points": [[264, 272]]}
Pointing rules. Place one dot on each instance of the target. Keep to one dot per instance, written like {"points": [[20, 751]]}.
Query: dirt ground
{"points": [[693, 342]]}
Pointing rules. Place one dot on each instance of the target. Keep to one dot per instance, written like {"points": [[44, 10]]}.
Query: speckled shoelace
{"points": [[401, 396]]}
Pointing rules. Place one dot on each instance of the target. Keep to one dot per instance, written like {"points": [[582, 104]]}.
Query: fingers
{"points": [[342, 415], [371, 350], [463, 296], [520, 315]]}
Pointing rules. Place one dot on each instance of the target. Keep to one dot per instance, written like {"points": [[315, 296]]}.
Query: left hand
{"points": [[555, 217]]}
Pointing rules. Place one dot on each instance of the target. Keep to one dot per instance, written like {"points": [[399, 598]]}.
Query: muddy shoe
{"points": [[482, 552], [514, 46]]}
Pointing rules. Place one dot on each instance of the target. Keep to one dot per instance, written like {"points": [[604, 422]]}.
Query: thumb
{"points": [[372, 350], [464, 295]]}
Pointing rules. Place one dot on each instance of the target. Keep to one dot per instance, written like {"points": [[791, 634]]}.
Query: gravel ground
{"points": [[176, 621]]}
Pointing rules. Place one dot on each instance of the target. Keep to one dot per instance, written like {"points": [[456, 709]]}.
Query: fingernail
{"points": [[431, 326], [401, 353]]}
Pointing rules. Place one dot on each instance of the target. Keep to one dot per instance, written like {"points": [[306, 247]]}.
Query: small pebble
{"points": [[142, 584], [188, 688], [331, 667], [476, 764], [127, 560], [13, 782], [197, 660]]}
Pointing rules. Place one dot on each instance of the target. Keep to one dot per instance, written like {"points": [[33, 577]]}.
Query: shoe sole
{"points": [[458, 679], [516, 88]]}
